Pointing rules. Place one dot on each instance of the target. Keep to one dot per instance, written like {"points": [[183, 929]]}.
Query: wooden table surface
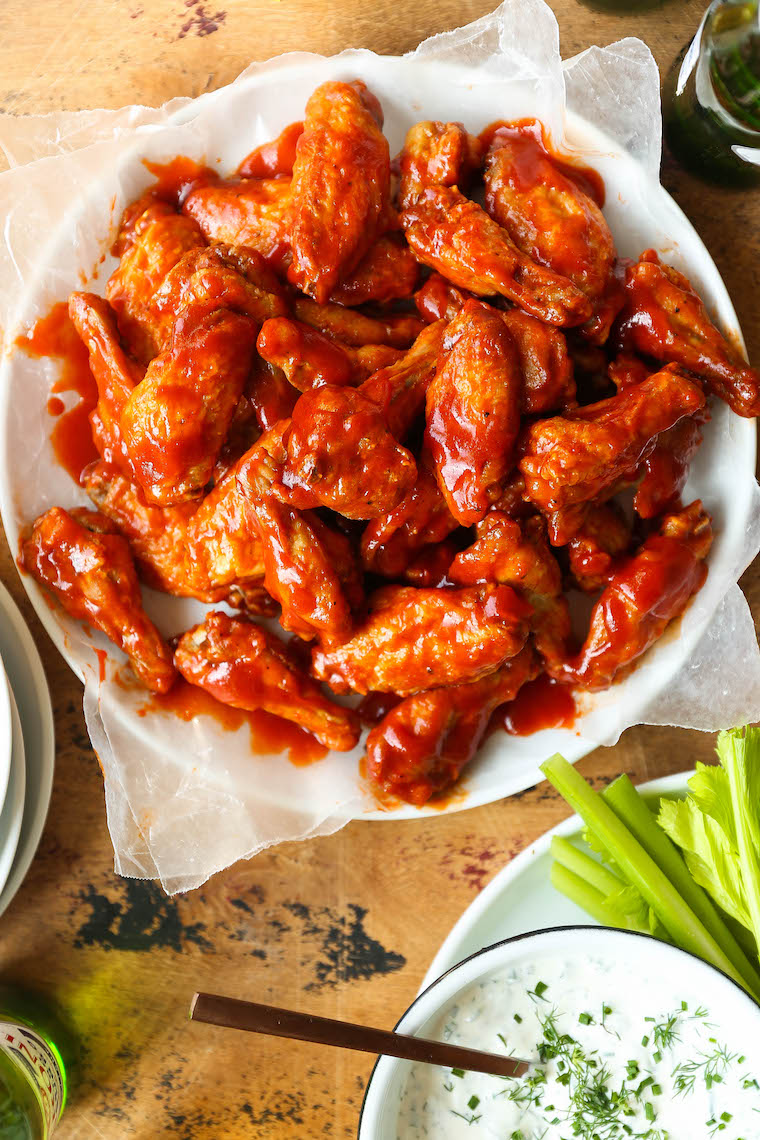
{"points": [[344, 926]]}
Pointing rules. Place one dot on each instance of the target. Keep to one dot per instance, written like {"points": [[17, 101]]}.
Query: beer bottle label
{"points": [[30, 1053]]}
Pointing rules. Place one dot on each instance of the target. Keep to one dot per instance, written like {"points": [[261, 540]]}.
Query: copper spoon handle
{"points": [[234, 1014]]}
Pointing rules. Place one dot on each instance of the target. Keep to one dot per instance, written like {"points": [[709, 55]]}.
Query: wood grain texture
{"points": [[344, 926]]}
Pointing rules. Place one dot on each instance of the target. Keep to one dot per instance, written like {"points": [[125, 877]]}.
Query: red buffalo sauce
{"points": [[54, 335], [539, 704], [528, 143], [273, 159], [178, 178], [268, 733]]}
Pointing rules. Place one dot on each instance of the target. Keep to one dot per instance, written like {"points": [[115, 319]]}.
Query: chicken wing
{"points": [[175, 421], [90, 571], [271, 394], [421, 639], [253, 212], [298, 571], [548, 382], [516, 554], [666, 469], [157, 240], [439, 300], [545, 212], [400, 389], [422, 519], [436, 154], [308, 357], [340, 189], [600, 543], [473, 411], [218, 278], [116, 374], [188, 550], [421, 746], [356, 329], [574, 458], [341, 455], [389, 271], [643, 596], [664, 318], [242, 665]]}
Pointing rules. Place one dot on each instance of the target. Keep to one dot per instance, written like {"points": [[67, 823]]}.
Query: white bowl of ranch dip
{"points": [[631, 1039]]}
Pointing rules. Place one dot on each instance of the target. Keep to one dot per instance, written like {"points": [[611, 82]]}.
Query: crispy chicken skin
{"points": [[663, 317], [596, 549], [516, 554], [298, 571], [219, 278], [422, 519], [398, 330], [577, 457], [341, 455], [309, 358], [116, 374], [340, 192], [399, 390], [190, 550], [156, 241], [176, 420], [420, 747], [242, 665], [421, 639], [473, 411], [643, 596], [90, 571], [253, 212], [546, 214]]}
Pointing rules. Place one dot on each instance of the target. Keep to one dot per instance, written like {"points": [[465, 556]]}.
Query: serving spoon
{"points": [[232, 1013]]}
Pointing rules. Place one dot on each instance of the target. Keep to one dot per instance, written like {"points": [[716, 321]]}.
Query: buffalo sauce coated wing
{"points": [[341, 455], [90, 570], [152, 244], [116, 374], [176, 420], [420, 639], [546, 213], [573, 458], [253, 212], [473, 411], [242, 665], [340, 192], [420, 747], [664, 318], [298, 569], [422, 519], [642, 597], [399, 389]]}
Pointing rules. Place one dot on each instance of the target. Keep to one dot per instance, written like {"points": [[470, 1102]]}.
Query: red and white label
{"points": [[30, 1053]]}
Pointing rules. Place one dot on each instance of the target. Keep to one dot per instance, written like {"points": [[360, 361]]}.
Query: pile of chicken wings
{"points": [[393, 403]]}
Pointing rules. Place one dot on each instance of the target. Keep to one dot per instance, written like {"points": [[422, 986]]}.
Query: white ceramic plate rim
{"points": [[668, 657], [12, 814], [6, 733], [442, 989], [450, 952], [32, 696]]}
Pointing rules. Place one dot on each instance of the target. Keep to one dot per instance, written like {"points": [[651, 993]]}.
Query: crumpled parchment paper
{"points": [[185, 799]]}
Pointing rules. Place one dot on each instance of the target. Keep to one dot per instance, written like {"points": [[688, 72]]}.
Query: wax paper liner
{"points": [[185, 799]]}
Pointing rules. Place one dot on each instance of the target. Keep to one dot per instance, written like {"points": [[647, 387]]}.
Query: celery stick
{"points": [[588, 898], [631, 809], [585, 867], [639, 868], [735, 751]]}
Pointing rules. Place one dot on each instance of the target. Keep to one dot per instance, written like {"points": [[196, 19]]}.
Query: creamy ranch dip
{"points": [[618, 1056]]}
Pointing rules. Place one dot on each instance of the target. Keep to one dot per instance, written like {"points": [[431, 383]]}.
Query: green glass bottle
{"points": [[711, 97], [33, 1073]]}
